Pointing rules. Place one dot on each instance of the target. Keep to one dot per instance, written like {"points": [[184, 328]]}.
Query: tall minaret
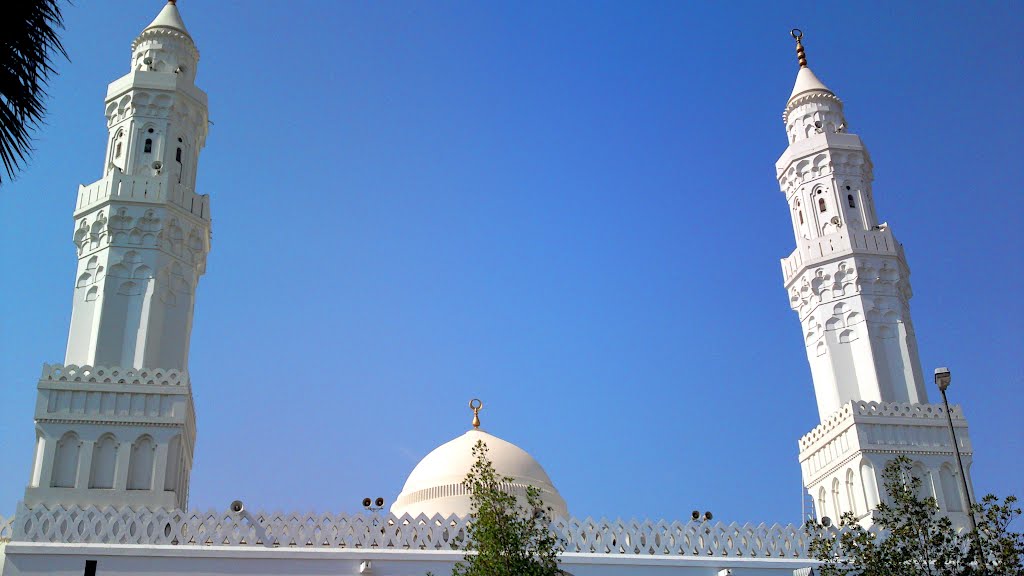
{"points": [[849, 282], [115, 424]]}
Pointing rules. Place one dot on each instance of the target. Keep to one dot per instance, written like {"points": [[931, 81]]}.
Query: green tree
{"points": [[28, 29], [506, 537], [916, 539]]}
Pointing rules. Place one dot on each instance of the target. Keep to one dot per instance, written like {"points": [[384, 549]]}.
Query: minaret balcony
{"points": [[810, 252], [115, 395], [143, 190]]}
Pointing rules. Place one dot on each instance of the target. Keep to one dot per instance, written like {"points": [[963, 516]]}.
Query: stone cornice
{"points": [[802, 99], [878, 412]]}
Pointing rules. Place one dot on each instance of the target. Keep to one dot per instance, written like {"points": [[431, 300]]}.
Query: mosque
{"points": [[116, 426]]}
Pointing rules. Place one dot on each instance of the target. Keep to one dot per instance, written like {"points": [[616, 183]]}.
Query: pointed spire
{"points": [[169, 18], [806, 81]]}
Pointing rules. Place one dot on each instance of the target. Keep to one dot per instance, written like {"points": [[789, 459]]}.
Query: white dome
{"points": [[435, 485]]}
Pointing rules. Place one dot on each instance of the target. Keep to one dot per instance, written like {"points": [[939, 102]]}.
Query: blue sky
{"points": [[566, 209]]}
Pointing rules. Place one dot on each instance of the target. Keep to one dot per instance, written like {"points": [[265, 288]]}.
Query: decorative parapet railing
{"points": [[814, 250], [862, 409], [155, 190], [175, 527], [112, 394], [114, 375]]}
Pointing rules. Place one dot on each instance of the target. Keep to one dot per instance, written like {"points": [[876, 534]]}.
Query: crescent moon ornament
{"points": [[476, 405]]}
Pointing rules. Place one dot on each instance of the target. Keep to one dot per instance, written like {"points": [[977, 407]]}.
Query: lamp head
{"points": [[942, 378]]}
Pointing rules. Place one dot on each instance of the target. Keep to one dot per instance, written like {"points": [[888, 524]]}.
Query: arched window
{"points": [[117, 150], [821, 503], [849, 198], [173, 464], [951, 490], [148, 146], [801, 216], [177, 157], [835, 498], [140, 467], [821, 205], [65, 461], [867, 476], [104, 461], [918, 471], [850, 486]]}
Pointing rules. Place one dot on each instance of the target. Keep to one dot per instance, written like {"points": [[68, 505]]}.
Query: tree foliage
{"points": [[506, 537], [28, 29], [915, 538]]}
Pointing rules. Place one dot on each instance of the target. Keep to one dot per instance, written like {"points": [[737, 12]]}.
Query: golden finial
{"points": [[798, 35], [475, 405]]}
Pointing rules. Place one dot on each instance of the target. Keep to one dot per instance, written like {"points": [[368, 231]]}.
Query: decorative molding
{"points": [[852, 411], [112, 422], [158, 31], [114, 375], [110, 525], [807, 99], [150, 190]]}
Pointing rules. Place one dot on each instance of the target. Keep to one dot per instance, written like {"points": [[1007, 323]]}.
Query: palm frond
{"points": [[28, 42]]}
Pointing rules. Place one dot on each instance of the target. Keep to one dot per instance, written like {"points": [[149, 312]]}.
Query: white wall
{"points": [[69, 560]]}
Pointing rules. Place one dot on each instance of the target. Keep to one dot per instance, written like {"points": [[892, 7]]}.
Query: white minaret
{"points": [[849, 282], [115, 424]]}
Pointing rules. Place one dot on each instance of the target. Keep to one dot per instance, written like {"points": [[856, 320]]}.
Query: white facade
{"points": [[849, 283], [115, 424]]}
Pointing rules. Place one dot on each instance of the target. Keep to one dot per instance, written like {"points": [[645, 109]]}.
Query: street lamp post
{"points": [[942, 379]]}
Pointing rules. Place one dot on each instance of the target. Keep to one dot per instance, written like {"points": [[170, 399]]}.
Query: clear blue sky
{"points": [[566, 209]]}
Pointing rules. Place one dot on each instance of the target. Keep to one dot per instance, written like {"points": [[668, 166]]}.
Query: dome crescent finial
{"points": [[476, 405], [801, 56]]}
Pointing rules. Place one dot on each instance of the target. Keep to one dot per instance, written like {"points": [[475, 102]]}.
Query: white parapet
{"points": [[142, 526], [144, 190]]}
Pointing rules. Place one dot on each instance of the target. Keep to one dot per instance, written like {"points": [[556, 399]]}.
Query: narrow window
{"points": [[65, 462], [849, 491], [149, 146], [90, 568], [117, 152], [177, 156], [849, 198], [140, 465], [801, 217], [821, 205], [835, 498]]}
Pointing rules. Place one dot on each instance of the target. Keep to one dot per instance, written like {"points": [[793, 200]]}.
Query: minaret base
{"points": [[110, 436], [843, 458]]}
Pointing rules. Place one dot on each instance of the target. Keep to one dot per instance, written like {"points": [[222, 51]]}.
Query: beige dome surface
{"points": [[435, 485]]}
